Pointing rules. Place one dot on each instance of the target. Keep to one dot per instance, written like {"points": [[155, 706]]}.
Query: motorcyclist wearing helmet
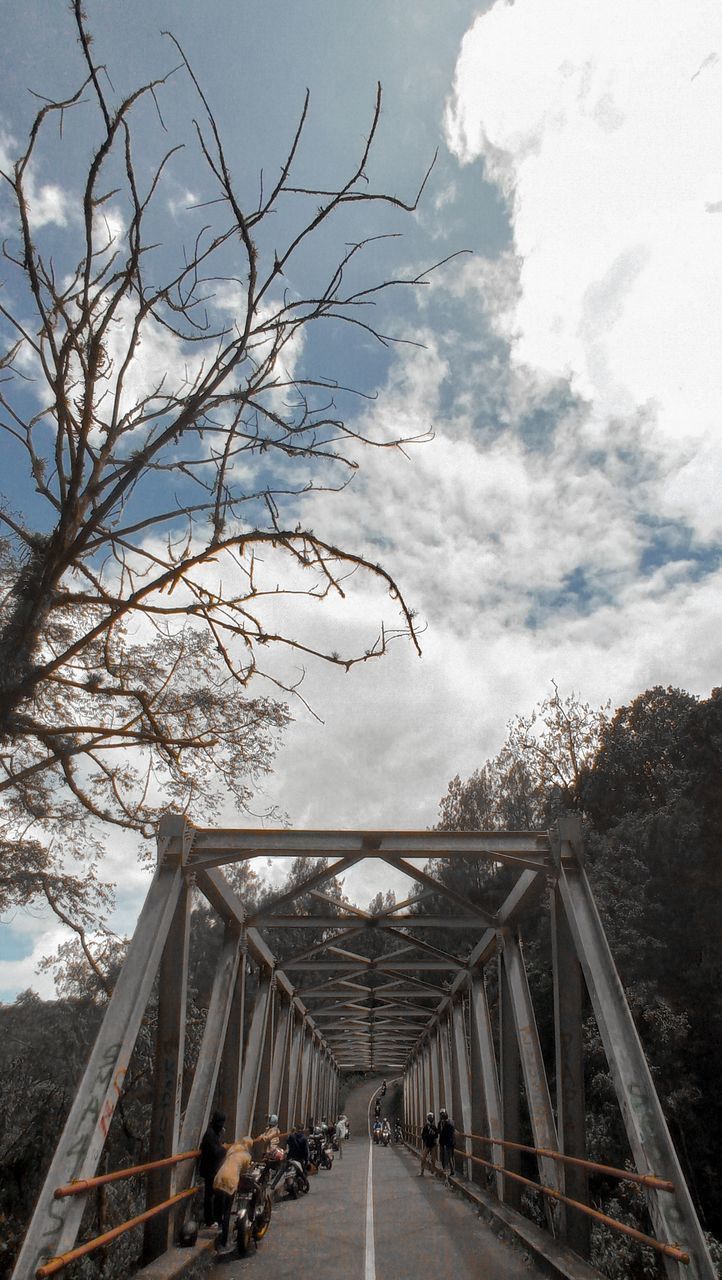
{"points": [[269, 1138], [429, 1144], [447, 1139]]}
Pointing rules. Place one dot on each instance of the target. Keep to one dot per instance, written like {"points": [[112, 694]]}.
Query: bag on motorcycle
{"points": [[312, 1168]]}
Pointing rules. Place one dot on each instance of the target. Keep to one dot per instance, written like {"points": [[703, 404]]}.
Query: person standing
{"points": [[447, 1141], [213, 1153], [341, 1132], [429, 1144]]}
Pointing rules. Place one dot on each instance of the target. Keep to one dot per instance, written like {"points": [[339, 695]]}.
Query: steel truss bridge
{"points": [[279, 1035]]}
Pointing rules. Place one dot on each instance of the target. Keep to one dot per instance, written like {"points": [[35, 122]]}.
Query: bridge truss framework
{"points": [[279, 1034]]}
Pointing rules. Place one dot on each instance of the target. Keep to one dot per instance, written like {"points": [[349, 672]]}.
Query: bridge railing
{"points": [[591, 1166], [81, 1186]]}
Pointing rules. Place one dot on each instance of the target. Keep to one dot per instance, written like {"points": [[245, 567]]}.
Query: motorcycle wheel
{"points": [[244, 1235], [263, 1221], [304, 1187], [292, 1189]]}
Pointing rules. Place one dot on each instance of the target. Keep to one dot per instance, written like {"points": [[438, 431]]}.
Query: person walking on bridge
{"points": [[447, 1140], [341, 1133], [429, 1144]]}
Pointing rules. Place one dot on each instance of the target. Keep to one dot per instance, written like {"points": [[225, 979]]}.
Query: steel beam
{"points": [[673, 1216], [253, 1053], [168, 1075], [486, 1099], [54, 1224], [571, 1114], [200, 1099]]}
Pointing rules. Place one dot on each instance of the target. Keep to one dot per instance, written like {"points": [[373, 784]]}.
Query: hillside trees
{"points": [[646, 783], [163, 425]]}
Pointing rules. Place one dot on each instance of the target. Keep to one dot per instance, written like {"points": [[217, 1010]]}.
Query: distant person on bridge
{"points": [[383, 1088], [341, 1133], [429, 1144], [447, 1140], [213, 1153]]}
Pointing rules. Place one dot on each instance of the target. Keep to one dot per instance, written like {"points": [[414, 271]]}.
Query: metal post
{"points": [[284, 1022], [535, 1080], [232, 1060], [673, 1215], [289, 1107], [253, 1054], [510, 1088], [303, 1110], [446, 1064], [486, 1100], [168, 1075], [205, 1076], [262, 1108], [54, 1225], [575, 1227], [461, 1082], [434, 1052]]}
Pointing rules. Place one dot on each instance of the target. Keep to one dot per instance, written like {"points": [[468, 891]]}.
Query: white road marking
{"points": [[370, 1261], [370, 1265]]}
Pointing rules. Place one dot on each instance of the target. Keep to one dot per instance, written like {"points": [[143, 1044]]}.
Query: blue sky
{"points": [[565, 521]]}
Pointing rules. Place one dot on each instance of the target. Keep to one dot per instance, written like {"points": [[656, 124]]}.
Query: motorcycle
{"points": [[290, 1177], [321, 1151], [377, 1133], [385, 1136], [253, 1205], [398, 1133]]}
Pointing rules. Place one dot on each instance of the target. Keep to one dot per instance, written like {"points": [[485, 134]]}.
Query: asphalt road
{"points": [[373, 1218]]}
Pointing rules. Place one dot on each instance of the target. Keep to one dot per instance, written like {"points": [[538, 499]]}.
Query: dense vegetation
{"points": [[646, 782]]}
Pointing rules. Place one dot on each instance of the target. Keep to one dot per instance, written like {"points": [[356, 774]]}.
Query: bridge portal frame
{"points": [[417, 1009]]}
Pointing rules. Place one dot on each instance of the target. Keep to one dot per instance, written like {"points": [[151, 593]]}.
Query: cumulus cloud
{"points": [[603, 128]]}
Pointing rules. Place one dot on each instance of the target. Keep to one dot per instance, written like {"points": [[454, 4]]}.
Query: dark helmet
{"points": [[429, 1115], [218, 1120]]}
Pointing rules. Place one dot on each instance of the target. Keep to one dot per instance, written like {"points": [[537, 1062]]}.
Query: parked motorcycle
{"points": [[321, 1150], [289, 1178], [253, 1205]]}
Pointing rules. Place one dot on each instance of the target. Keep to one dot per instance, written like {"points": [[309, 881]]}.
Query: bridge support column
{"points": [[448, 1098], [461, 1083], [168, 1075], [534, 1073], [205, 1076], [485, 1100], [673, 1215], [262, 1108], [54, 1225], [510, 1088], [284, 1026], [288, 1113], [254, 1053], [575, 1226], [434, 1055], [232, 1060]]}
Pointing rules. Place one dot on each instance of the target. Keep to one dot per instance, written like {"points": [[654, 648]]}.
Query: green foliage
{"points": [[647, 784]]}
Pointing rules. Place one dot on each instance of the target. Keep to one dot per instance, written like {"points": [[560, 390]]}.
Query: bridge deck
{"points": [[411, 1228]]}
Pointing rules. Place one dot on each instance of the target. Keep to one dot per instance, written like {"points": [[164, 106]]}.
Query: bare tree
{"points": [[169, 430]]}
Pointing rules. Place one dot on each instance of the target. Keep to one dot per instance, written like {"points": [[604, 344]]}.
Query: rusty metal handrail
{"points": [[53, 1265], [670, 1250], [643, 1179], [86, 1184], [81, 1185]]}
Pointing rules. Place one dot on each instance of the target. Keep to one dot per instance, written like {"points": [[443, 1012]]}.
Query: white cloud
{"points": [[603, 125]]}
